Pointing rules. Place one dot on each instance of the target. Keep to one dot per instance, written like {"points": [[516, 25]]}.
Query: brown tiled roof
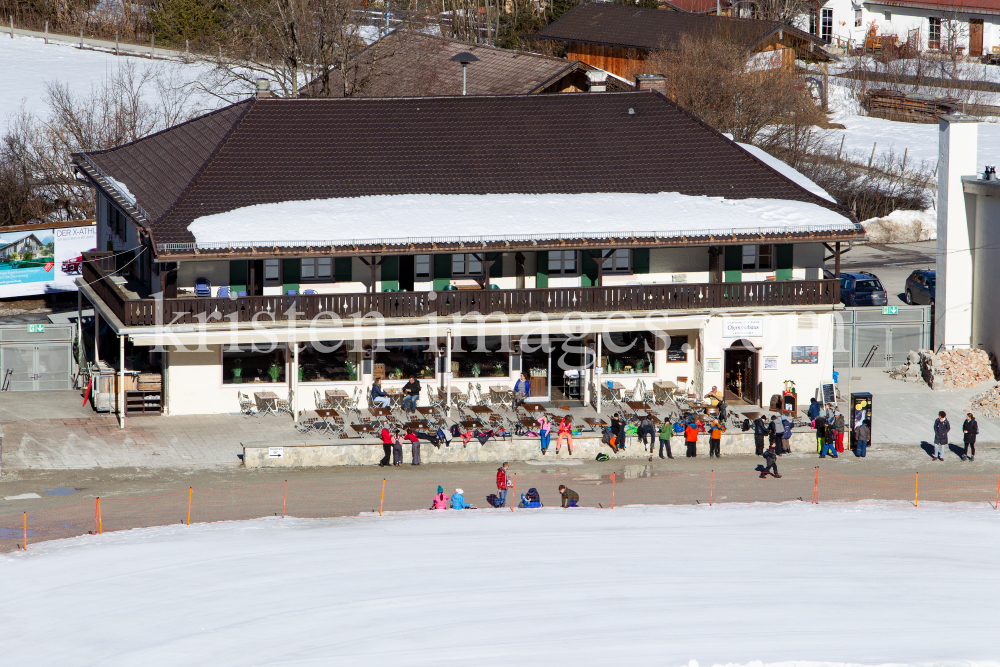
{"points": [[651, 29], [298, 149], [960, 6], [410, 64]]}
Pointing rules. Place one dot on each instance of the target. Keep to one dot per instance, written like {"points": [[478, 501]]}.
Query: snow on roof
{"points": [[398, 219], [786, 170]]}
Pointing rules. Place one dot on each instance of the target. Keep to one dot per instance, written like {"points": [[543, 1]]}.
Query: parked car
{"points": [[862, 289], [920, 287]]}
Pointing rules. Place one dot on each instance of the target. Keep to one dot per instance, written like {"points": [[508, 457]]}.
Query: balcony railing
{"points": [[97, 269]]}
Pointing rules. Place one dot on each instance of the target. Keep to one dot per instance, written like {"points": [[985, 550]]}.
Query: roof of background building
{"points": [[652, 29], [411, 64], [265, 151], [971, 6]]}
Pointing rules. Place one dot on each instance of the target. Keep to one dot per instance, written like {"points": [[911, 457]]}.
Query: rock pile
{"points": [[986, 404], [948, 369]]}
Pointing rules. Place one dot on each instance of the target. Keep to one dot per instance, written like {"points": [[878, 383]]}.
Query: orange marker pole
{"points": [[25, 531], [613, 477], [97, 510], [284, 500], [190, 492], [816, 488], [916, 488], [711, 488], [998, 493], [100, 520], [513, 493], [382, 502]]}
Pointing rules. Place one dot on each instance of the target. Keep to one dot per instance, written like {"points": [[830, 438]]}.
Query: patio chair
{"points": [[247, 408], [321, 404], [241, 293], [291, 292], [285, 405], [202, 287], [223, 292], [310, 291], [433, 399]]}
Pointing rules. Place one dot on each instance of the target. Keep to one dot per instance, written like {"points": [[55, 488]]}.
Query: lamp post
{"points": [[465, 58]]}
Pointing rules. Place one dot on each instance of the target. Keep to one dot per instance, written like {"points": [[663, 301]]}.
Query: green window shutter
{"points": [[783, 260], [496, 269], [390, 273], [733, 266], [589, 277], [640, 260], [238, 276], [542, 269], [442, 272], [291, 274], [342, 269]]}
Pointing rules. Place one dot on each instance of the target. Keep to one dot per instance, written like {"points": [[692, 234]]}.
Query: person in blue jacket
{"points": [[786, 436], [521, 391], [814, 409], [458, 501]]}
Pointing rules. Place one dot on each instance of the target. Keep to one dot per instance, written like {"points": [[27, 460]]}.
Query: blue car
{"points": [[920, 287], [862, 289]]}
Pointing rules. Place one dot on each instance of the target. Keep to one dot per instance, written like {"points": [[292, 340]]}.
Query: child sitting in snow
{"points": [[440, 501], [458, 501]]}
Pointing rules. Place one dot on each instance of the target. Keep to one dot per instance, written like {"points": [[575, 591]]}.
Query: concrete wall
{"points": [[986, 313], [345, 452]]}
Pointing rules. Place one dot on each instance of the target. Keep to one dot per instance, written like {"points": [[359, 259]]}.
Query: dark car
{"points": [[920, 287], [862, 289]]}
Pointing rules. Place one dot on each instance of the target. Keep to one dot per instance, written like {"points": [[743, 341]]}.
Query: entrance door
{"points": [[255, 286], [37, 367], [975, 37], [741, 372], [536, 364]]}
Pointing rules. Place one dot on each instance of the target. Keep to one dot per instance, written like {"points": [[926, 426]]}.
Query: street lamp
{"points": [[465, 58]]}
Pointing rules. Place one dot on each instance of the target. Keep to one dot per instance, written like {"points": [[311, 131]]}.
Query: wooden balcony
{"points": [[98, 267]]}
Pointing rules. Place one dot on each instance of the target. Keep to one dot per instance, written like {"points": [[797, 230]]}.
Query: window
{"points": [[868, 285], [888, 17], [758, 257], [272, 271], [422, 266], [624, 352], [826, 25], [812, 23], [328, 361], [466, 265], [317, 268], [479, 356], [934, 33], [404, 358], [857, 18], [563, 262], [619, 262], [249, 364]]}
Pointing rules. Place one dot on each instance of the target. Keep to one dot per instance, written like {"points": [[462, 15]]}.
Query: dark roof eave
{"points": [[583, 243]]}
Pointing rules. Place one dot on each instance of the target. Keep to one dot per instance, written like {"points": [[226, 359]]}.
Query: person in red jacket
{"points": [[386, 447], [503, 483]]}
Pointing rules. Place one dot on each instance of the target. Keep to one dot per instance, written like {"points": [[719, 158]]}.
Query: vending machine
{"points": [[861, 409]]}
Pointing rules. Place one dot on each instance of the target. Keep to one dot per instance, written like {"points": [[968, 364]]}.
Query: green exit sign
{"points": [[36, 328], [890, 310]]}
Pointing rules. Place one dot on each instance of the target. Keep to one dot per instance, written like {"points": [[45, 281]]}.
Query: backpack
{"points": [[456, 430], [746, 425], [606, 437], [493, 500], [603, 457], [678, 427]]}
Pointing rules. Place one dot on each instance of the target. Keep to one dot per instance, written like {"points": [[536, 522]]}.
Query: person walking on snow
{"points": [[504, 482], [970, 429], [771, 459], [941, 428]]}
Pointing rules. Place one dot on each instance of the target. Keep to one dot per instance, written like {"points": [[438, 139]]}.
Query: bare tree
{"points": [[293, 42], [784, 11]]}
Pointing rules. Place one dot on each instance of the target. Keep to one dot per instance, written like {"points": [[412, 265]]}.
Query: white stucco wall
{"points": [[985, 309]]}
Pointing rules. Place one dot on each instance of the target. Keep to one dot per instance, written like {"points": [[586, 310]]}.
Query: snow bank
{"points": [[902, 227], [789, 583], [423, 218], [787, 171]]}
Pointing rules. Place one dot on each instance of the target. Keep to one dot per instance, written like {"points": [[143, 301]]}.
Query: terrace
{"points": [[132, 309]]}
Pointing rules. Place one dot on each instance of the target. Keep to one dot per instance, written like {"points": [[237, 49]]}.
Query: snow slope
{"points": [[29, 63], [440, 217], [731, 584]]}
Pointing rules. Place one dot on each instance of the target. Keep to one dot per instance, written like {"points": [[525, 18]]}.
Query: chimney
{"points": [[263, 88], [957, 145], [656, 82], [598, 81]]}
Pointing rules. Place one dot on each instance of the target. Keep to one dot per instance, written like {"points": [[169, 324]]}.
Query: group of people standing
{"points": [[831, 427], [970, 429]]}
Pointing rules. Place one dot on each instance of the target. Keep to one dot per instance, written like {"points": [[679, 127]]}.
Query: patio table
{"points": [[267, 402], [338, 399]]}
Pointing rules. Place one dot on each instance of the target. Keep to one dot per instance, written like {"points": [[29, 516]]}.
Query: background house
{"points": [[617, 38], [16, 249]]}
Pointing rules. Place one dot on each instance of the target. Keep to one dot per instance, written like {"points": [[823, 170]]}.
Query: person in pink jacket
{"points": [[440, 501], [565, 431], [545, 431]]}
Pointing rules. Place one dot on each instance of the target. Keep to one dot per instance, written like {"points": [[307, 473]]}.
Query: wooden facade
{"points": [[620, 61]]}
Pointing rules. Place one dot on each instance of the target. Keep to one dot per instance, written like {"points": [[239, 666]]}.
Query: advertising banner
{"points": [[43, 260]]}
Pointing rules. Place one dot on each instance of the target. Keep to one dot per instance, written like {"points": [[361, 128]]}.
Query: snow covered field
{"points": [[789, 584], [29, 63]]}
